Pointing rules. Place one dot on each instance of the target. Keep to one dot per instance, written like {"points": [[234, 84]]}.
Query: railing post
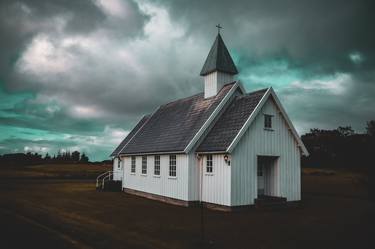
{"points": [[101, 179]]}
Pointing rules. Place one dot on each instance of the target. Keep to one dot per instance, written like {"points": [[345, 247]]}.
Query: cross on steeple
{"points": [[218, 28]]}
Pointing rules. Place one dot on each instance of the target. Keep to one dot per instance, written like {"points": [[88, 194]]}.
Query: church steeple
{"points": [[218, 68], [219, 59]]}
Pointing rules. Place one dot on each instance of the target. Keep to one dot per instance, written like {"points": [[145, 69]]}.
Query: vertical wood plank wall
{"points": [[258, 141], [216, 185], [194, 166], [174, 187], [117, 172], [193, 177], [214, 81]]}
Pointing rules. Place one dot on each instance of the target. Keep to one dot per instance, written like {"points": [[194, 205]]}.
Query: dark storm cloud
{"points": [[21, 21], [307, 31], [96, 66]]}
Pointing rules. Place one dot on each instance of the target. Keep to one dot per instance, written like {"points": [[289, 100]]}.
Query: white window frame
{"points": [[172, 166], [133, 164], [144, 165], [156, 165], [209, 164]]}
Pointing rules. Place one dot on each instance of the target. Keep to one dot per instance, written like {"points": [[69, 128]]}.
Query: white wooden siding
{"points": [[216, 185], [193, 177], [174, 187], [194, 164], [117, 172], [214, 81], [257, 142]]}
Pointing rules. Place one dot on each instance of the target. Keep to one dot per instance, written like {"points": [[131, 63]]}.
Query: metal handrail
{"points": [[104, 179], [104, 175]]}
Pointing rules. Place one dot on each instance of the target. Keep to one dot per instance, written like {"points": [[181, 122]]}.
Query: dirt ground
{"points": [[69, 213]]}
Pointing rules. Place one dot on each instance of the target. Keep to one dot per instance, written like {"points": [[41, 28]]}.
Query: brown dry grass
{"points": [[71, 214], [64, 171]]}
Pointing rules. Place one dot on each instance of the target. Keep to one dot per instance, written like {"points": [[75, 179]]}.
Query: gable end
{"points": [[270, 93]]}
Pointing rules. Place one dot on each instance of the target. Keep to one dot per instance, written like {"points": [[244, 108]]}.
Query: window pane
{"points": [[144, 164], [267, 121], [157, 165], [172, 165], [209, 164]]}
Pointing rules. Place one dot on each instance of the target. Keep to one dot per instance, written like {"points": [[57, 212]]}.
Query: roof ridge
{"points": [[253, 92], [260, 90], [195, 95], [184, 98]]}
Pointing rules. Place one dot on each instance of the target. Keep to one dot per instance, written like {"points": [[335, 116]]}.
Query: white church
{"points": [[223, 147]]}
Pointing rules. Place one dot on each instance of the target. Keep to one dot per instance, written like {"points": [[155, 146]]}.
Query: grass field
{"points": [[47, 212], [53, 171]]}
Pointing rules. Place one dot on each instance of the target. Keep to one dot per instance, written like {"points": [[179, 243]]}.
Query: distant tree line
{"points": [[35, 158], [340, 148]]}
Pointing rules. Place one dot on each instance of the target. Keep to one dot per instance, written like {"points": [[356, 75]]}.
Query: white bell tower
{"points": [[218, 69]]}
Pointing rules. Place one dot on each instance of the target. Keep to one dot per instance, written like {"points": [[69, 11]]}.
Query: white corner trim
{"points": [[211, 117], [257, 109], [290, 124], [248, 121]]}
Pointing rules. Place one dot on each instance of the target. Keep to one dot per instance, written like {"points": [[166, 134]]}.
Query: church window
{"points": [[133, 165], [144, 165], [172, 165], [157, 165], [267, 121], [209, 164]]}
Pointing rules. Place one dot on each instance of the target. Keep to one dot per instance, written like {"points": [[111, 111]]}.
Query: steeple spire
{"points": [[219, 59]]}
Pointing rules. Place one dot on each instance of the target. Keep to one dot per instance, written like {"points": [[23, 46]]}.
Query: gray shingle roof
{"points": [[230, 122], [130, 135], [219, 59], [173, 125]]}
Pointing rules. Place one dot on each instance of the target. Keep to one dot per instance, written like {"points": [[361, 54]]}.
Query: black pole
{"points": [[202, 224]]}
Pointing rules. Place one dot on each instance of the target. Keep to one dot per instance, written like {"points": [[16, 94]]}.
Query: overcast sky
{"points": [[79, 74]]}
